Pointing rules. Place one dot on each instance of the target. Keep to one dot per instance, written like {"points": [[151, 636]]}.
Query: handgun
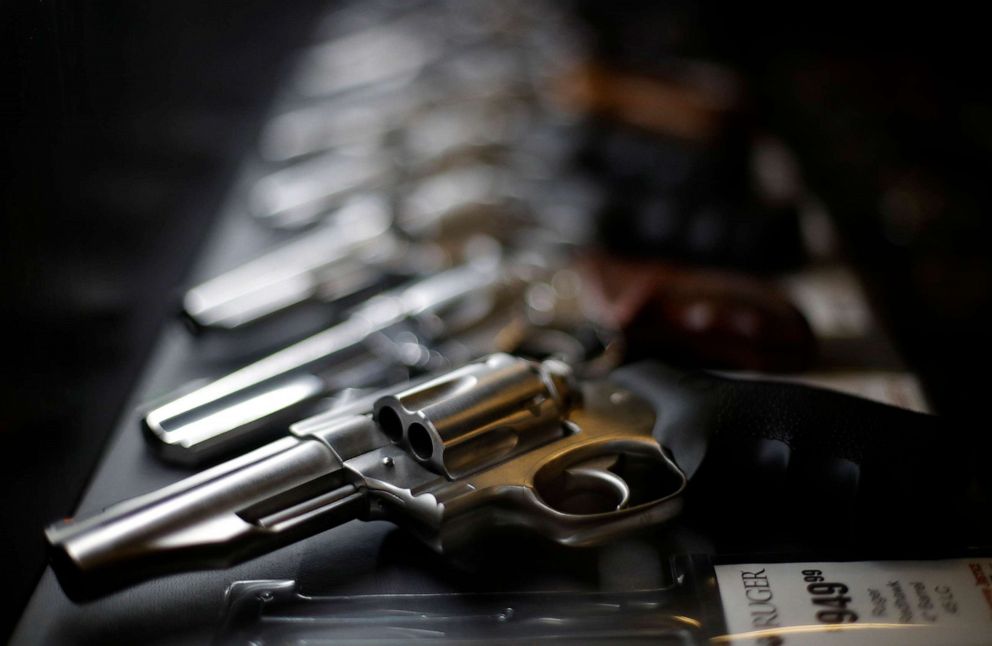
{"points": [[421, 326], [507, 444], [311, 191], [388, 114], [342, 257], [363, 248]]}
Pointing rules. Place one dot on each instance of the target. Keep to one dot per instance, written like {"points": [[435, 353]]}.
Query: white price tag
{"points": [[897, 603]]}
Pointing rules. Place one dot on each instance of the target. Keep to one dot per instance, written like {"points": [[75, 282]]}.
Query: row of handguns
{"points": [[413, 147], [420, 147], [425, 152]]}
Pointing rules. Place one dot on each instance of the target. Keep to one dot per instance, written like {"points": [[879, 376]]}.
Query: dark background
{"points": [[122, 126]]}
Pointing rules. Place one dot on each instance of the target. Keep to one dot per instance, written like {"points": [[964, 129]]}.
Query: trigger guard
{"points": [[640, 476]]}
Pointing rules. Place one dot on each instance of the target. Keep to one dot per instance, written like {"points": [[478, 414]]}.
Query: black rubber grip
{"points": [[803, 454]]}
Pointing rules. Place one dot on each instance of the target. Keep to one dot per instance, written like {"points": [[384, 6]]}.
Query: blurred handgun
{"points": [[364, 246], [343, 257], [308, 192], [505, 443], [424, 325]]}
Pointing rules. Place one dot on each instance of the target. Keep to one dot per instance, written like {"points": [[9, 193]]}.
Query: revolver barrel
{"points": [[274, 495], [339, 258], [301, 194]]}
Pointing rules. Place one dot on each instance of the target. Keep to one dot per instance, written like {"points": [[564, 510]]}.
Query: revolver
{"points": [[510, 444], [418, 327], [364, 248]]}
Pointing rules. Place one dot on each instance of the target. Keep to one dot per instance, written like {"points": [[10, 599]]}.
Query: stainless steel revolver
{"points": [[501, 442], [506, 443]]}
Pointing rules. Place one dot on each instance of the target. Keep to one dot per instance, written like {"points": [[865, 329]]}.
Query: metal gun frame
{"points": [[502, 442]]}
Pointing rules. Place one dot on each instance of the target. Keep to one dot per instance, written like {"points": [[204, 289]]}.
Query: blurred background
{"points": [[124, 126]]}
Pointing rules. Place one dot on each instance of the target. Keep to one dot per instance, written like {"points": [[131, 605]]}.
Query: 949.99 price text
{"points": [[830, 599]]}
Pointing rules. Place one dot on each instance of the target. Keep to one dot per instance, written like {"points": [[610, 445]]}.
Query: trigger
{"points": [[595, 475]]}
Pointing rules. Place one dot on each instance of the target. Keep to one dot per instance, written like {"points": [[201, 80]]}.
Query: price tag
{"points": [[897, 603]]}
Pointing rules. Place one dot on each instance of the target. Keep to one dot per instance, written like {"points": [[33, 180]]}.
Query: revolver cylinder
{"points": [[480, 414]]}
